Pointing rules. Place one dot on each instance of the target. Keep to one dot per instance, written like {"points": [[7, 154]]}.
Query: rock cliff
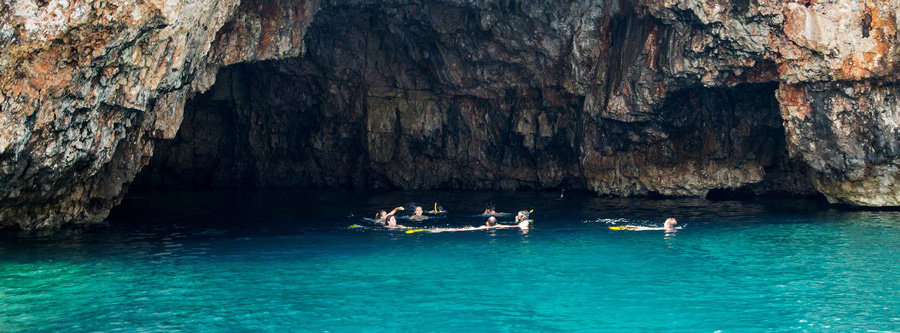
{"points": [[641, 97]]}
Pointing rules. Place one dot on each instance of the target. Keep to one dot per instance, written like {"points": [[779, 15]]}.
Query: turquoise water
{"points": [[285, 261]]}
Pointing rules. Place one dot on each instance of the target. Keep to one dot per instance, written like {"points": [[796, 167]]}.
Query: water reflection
{"points": [[670, 234]]}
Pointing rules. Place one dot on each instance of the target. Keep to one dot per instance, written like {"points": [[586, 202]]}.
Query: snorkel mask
{"points": [[524, 213]]}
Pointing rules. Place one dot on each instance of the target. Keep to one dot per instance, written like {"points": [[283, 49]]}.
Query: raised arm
{"points": [[395, 211]]}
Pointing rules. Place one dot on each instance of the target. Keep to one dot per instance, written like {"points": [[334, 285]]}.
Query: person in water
{"points": [[489, 210], [522, 220], [670, 224], [438, 209], [391, 223], [382, 215], [418, 215], [522, 216], [491, 222]]}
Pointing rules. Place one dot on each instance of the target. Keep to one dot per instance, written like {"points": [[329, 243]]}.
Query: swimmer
{"points": [[491, 222], [524, 225], [489, 210], [522, 215], [670, 224], [382, 215], [391, 223], [438, 209], [522, 220], [418, 214]]}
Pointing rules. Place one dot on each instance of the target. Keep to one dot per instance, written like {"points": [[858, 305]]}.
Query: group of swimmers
{"points": [[522, 221], [389, 219]]}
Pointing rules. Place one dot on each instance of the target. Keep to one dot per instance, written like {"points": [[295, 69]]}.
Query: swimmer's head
{"points": [[522, 215], [491, 221], [419, 210], [381, 214], [490, 206], [391, 220]]}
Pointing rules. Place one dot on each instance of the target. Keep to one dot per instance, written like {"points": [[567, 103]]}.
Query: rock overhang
{"points": [[88, 88]]}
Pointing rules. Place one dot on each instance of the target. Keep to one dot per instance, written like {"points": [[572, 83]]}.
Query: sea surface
{"points": [[287, 260]]}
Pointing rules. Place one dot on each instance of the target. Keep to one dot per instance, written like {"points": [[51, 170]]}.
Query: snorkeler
{"points": [[522, 219], [522, 216], [669, 226], [438, 209], [418, 215]]}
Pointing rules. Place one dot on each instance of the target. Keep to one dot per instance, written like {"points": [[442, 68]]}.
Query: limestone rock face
{"points": [[675, 97], [86, 86], [847, 133]]}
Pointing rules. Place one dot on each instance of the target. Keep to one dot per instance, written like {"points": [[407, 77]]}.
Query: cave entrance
{"points": [[709, 142], [262, 125], [738, 134], [382, 98], [273, 124], [389, 98]]}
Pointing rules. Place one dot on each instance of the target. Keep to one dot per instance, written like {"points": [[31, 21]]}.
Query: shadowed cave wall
{"points": [[623, 97], [387, 98]]}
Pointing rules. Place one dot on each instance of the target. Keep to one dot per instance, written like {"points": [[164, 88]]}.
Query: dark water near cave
{"points": [[286, 261]]}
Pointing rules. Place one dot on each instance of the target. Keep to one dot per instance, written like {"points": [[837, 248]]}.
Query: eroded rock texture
{"points": [[87, 86], [621, 97]]}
